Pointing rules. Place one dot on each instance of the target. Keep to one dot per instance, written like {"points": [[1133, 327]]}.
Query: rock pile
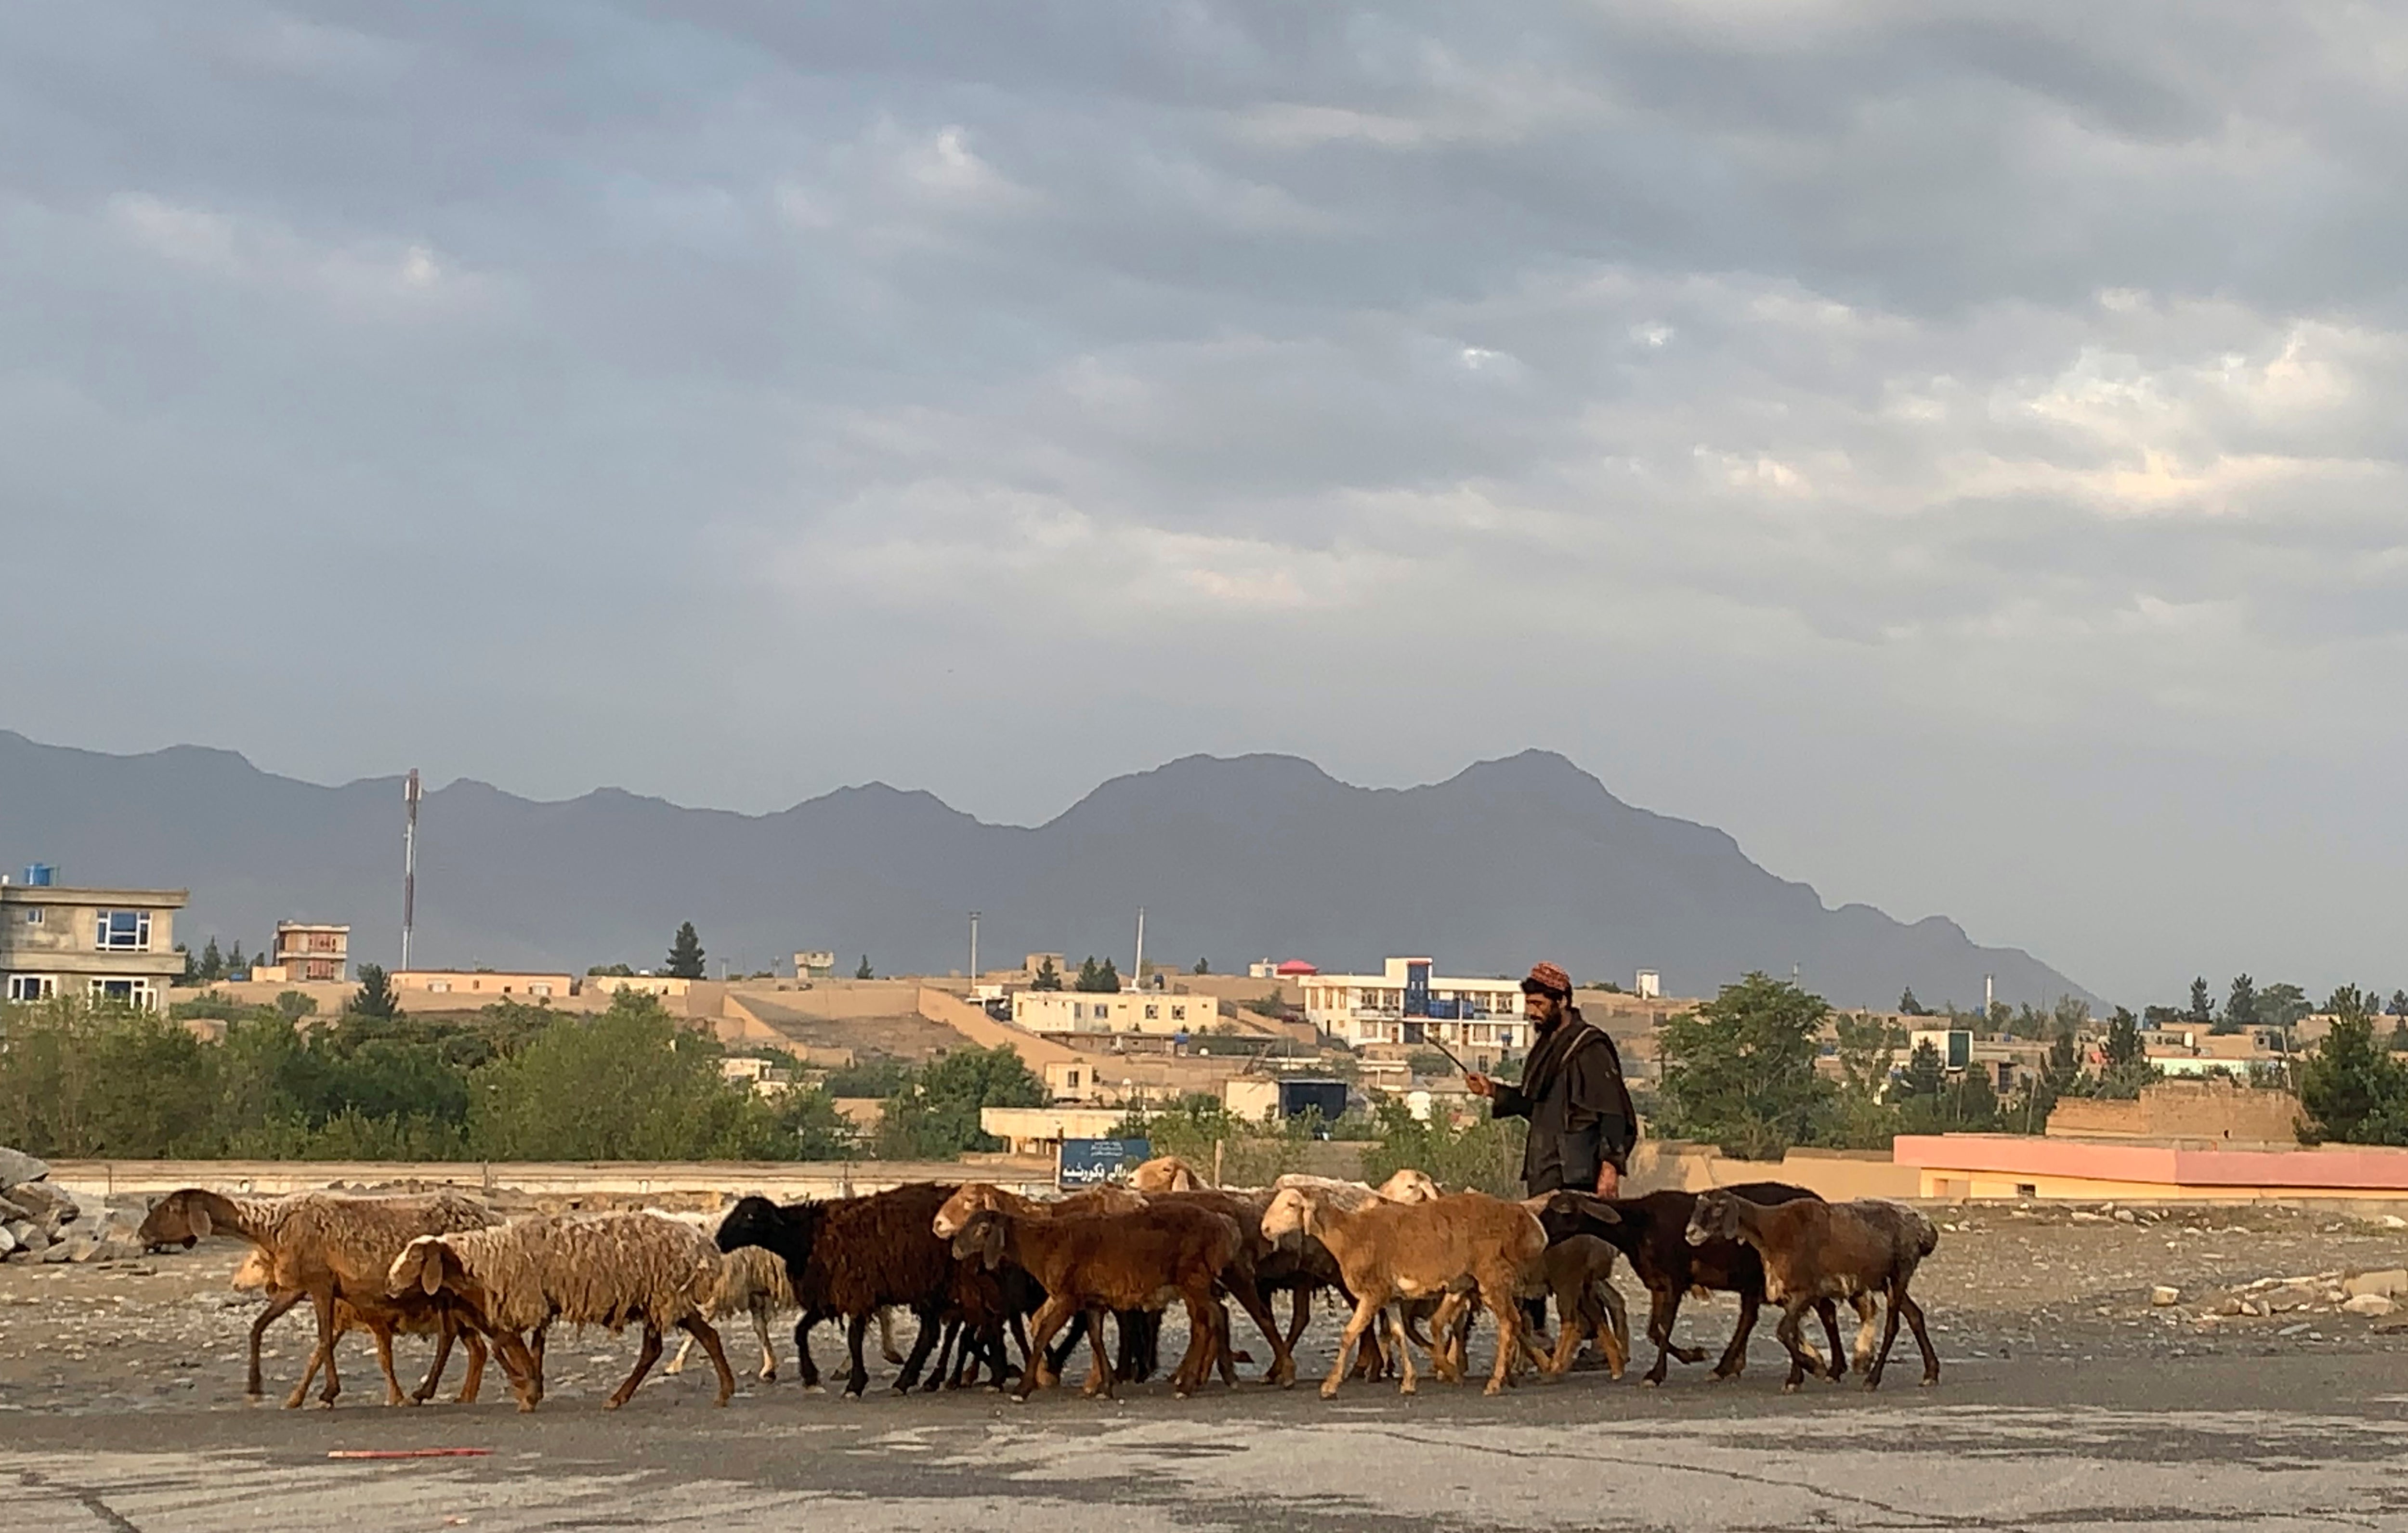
{"points": [[2370, 1295], [43, 1223]]}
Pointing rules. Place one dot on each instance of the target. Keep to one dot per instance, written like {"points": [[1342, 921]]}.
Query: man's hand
{"points": [[1479, 1086], [1609, 1182]]}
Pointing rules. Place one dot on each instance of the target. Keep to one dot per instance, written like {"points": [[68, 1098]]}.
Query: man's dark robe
{"points": [[1580, 1112]]}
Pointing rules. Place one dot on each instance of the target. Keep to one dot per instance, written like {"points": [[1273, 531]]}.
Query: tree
{"points": [[2350, 1091], [2399, 1003], [684, 961], [1048, 977], [212, 965], [2282, 1005], [1101, 979], [627, 1084], [237, 966], [374, 997], [292, 1005], [1907, 1006], [611, 970], [1739, 1070], [1202, 968], [2126, 1068], [865, 971], [2202, 1011], [1926, 1073], [1868, 1050], [934, 1115], [2240, 1007]]}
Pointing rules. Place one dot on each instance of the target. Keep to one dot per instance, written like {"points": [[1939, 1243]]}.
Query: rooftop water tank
{"points": [[40, 875]]}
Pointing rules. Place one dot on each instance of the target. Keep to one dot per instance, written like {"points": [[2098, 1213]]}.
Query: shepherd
{"points": [[1581, 1124]]}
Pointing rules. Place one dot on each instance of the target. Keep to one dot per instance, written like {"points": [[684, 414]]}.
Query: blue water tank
{"points": [[40, 875]]}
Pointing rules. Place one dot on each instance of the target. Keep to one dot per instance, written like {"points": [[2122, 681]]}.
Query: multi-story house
{"points": [[304, 950], [116, 945], [1406, 1005]]}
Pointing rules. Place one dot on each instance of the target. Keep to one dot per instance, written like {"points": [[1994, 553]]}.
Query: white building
{"points": [[1407, 1004], [1103, 1011]]}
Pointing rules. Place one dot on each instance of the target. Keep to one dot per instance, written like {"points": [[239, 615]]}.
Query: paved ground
{"points": [[2069, 1402]]}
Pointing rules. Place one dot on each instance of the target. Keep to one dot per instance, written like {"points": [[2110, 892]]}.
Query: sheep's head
{"points": [[1166, 1174], [1411, 1186], [981, 1239], [181, 1218], [1291, 1213], [973, 1198], [430, 1265], [1714, 1217], [754, 1220]]}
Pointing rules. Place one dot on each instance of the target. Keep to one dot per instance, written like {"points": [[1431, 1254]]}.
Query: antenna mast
{"points": [[408, 863]]}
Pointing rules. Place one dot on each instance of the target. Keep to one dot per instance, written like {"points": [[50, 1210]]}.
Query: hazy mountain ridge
{"points": [[1234, 859]]}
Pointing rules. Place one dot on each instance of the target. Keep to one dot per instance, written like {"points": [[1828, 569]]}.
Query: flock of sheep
{"points": [[977, 1265]]}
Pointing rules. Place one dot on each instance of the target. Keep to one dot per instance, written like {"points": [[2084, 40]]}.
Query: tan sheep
{"points": [[1402, 1251], [603, 1269], [330, 1248], [256, 1275]]}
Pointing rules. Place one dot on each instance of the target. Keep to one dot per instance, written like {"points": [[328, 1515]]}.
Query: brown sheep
{"points": [[327, 1248], [1815, 1252], [256, 1275], [598, 1270], [1099, 1261]]}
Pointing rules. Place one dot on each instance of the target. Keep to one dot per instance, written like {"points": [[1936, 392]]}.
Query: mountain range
{"points": [[1234, 859]]}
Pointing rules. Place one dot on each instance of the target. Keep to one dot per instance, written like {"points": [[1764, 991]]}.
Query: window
{"points": [[1179, 1013], [29, 987], [122, 931], [2026, 1189], [439, 986], [538, 989], [133, 992], [34, 916], [1153, 1013]]}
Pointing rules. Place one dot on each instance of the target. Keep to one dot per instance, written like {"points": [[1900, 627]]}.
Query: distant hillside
{"points": [[1506, 862]]}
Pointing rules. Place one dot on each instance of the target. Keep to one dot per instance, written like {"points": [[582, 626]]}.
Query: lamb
{"points": [[851, 1256], [1303, 1266], [752, 1283], [257, 1275], [329, 1249], [1401, 1251], [1128, 1261], [1652, 1231], [1815, 1252], [1166, 1174], [1138, 1329], [600, 1270]]}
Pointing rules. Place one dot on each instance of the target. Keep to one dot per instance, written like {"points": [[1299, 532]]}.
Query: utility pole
{"points": [[408, 862], [1136, 975], [974, 968]]}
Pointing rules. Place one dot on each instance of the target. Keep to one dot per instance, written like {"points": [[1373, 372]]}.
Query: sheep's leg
{"points": [[1367, 1310], [1789, 1331], [534, 1351], [1283, 1368], [1615, 1341], [1830, 1317], [1409, 1382], [1866, 1307], [520, 1365], [380, 1332], [1734, 1363], [856, 1333], [769, 1354], [323, 1301], [474, 1378], [1899, 1300], [1101, 1376], [1206, 1321], [1060, 1354], [1020, 1335], [444, 1331], [931, 1328], [277, 1309], [810, 1369], [698, 1329], [646, 1355], [945, 1344], [1509, 1334], [676, 1364], [886, 1347], [1049, 1318]]}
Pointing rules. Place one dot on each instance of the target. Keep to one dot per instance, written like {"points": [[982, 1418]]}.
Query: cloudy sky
{"points": [[1960, 454]]}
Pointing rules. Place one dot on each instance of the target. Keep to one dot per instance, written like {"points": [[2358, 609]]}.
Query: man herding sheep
{"points": [[1581, 1124]]}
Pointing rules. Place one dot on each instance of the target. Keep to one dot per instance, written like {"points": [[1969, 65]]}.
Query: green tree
{"points": [[1048, 977], [292, 1005], [1739, 1071], [212, 966], [1253, 1154], [2240, 1007], [374, 997], [1907, 1006], [1868, 1050], [237, 966], [2202, 1011], [1099, 978], [1926, 1072], [865, 971], [2399, 1003], [622, 971], [1202, 968], [627, 1084], [684, 961], [934, 1115], [2351, 1090], [1482, 1154], [2282, 1005]]}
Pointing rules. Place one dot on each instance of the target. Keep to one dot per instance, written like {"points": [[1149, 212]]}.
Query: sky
{"points": [[1959, 450]]}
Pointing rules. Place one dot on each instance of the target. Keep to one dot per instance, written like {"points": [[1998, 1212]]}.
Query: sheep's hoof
{"points": [[1789, 1386], [1329, 1391], [1409, 1389], [768, 1376], [1494, 1388], [526, 1408], [1650, 1381]]}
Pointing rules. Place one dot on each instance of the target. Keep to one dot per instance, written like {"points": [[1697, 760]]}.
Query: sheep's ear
{"points": [[990, 1243], [198, 1219]]}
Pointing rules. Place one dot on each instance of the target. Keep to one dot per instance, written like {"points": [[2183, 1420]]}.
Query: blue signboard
{"points": [[1091, 1162]]}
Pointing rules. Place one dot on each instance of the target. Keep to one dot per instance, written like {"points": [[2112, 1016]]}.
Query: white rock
{"points": [[2125, 1216], [2368, 1304], [2392, 1220], [2164, 1294]]}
